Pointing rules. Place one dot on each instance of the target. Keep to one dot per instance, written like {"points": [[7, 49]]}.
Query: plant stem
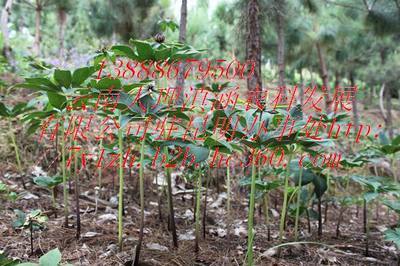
{"points": [[266, 210], [171, 204], [53, 198], [70, 169], [285, 199], [31, 230], [296, 223], [205, 205], [366, 228], [228, 204], [100, 170], [14, 143], [197, 223], [250, 220], [121, 184], [64, 175], [141, 191], [77, 205], [319, 217]]}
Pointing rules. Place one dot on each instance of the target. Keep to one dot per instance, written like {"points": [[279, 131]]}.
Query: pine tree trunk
{"points": [[253, 45], [62, 18], [38, 14], [280, 28], [5, 14], [180, 82], [389, 120], [387, 95], [253, 54], [354, 100], [324, 77]]}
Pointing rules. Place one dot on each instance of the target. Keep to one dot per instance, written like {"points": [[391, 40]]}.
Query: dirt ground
{"points": [[97, 245]]}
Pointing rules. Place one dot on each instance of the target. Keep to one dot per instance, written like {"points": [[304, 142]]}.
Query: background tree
{"points": [[5, 14], [62, 8], [180, 82]]}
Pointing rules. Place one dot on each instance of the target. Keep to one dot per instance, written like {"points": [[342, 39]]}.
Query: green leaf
{"points": [[63, 77], [264, 185], [144, 49], [57, 100], [28, 264], [396, 141], [368, 196], [393, 235], [320, 185], [20, 108], [221, 144], [124, 50], [20, 220], [4, 261], [393, 204], [200, 153], [51, 258], [162, 54], [3, 187], [307, 176], [106, 84], [43, 82], [167, 24], [34, 124], [49, 182], [370, 182], [81, 74], [4, 110], [390, 149]]}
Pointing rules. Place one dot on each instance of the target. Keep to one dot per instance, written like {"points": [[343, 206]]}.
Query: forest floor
{"points": [[97, 245], [98, 242]]}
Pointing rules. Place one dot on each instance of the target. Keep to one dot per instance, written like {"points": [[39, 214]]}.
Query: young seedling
{"points": [[50, 183], [6, 193], [51, 258], [34, 220], [57, 88]]}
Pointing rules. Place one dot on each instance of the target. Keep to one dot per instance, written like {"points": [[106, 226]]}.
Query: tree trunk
{"points": [[38, 14], [337, 79], [301, 89], [354, 100], [336, 88], [62, 19], [253, 46], [180, 82], [389, 120], [280, 28], [5, 13], [324, 77], [386, 93], [398, 94]]}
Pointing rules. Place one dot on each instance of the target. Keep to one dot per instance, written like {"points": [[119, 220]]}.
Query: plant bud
{"points": [[159, 37]]}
